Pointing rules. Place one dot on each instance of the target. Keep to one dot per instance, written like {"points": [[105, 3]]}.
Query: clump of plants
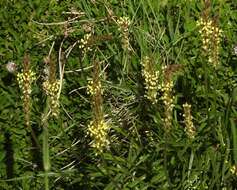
{"points": [[118, 95]]}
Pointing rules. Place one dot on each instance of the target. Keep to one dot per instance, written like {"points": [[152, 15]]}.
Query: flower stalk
{"points": [[210, 35], [167, 97], [151, 77], [189, 127], [123, 24], [98, 128], [25, 79], [51, 87]]}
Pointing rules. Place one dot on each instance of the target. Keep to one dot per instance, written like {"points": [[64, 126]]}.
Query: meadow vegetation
{"points": [[118, 95]]}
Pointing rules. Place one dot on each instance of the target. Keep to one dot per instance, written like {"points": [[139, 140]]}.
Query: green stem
{"points": [[206, 80], [190, 163], [225, 164], [166, 161], [46, 158], [46, 181], [125, 63], [234, 134], [46, 149]]}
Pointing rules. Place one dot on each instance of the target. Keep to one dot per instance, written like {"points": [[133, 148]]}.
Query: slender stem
{"points": [[46, 149], [165, 160], [207, 90], [125, 64], [46, 158], [234, 134], [46, 181], [190, 163], [227, 153]]}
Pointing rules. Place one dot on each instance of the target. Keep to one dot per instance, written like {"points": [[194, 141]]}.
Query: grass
{"points": [[142, 62]]}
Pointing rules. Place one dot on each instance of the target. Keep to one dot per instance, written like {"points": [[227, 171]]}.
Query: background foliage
{"points": [[141, 155]]}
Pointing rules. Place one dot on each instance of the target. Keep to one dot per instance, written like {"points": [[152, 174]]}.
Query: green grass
{"points": [[142, 154]]}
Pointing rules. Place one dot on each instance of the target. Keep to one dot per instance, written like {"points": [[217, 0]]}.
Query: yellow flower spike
{"points": [[166, 89], [98, 128], [51, 90], [233, 170], [85, 43], [211, 36], [25, 79], [123, 24], [92, 89], [151, 77], [98, 132], [189, 127]]}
